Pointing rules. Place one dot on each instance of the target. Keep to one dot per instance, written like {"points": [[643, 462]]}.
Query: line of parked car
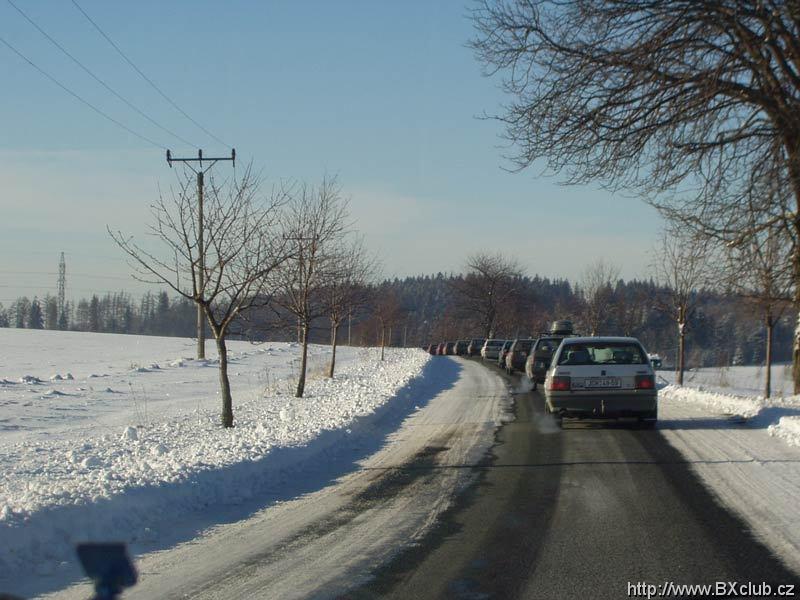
{"points": [[594, 377]]}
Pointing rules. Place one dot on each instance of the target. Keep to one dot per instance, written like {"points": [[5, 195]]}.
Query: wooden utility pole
{"points": [[201, 259]]}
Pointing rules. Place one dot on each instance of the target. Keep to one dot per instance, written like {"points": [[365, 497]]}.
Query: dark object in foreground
{"points": [[108, 566]]}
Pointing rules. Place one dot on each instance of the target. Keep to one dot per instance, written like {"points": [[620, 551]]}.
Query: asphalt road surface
{"points": [[578, 512]]}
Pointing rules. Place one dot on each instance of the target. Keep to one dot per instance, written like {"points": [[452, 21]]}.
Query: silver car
{"points": [[491, 349], [602, 377]]}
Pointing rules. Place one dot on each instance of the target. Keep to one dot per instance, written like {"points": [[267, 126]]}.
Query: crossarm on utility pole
{"points": [[201, 266]]}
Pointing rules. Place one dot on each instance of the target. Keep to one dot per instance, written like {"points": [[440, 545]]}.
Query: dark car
{"points": [[474, 347], [448, 348], [517, 354], [501, 356], [431, 349], [655, 360], [460, 347], [541, 354], [539, 358]]}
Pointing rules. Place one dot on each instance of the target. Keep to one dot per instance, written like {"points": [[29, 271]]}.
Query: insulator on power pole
{"points": [[201, 339]]}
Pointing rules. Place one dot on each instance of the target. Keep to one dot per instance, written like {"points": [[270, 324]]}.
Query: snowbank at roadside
{"points": [[787, 428], [60, 489], [780, 416]]}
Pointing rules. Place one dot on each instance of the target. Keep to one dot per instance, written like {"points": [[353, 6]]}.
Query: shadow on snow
{"points": [[766, 416]]}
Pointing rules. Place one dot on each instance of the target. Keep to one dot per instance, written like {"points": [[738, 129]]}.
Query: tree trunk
{"points": [[794, 174], [681, 351], [301, 380], [334, 331], [383, 340], [796, 348], [768, 379], [224, 383]]}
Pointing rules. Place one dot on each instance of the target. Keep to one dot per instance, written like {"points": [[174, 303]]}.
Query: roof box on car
{"points": [[561, 328]]}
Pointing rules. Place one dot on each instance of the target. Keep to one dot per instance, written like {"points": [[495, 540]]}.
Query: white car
{"points": [[602, 377], [491, 349]]}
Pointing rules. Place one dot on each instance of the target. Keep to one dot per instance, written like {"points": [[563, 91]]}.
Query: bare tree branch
{"points": [[242, 248]]}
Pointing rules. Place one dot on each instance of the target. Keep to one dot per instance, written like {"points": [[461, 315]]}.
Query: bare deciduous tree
{"points": [[347, 277], [597, 290], [681, 267], [694, 104], [628, 308], [314, 222], [242, 248], [760, 271], [491, 281], [387, 313]]}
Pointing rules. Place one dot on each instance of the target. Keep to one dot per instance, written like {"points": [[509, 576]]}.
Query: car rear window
{"points": [[495, 344], [524, 345], [548, 345], [602, 353]]}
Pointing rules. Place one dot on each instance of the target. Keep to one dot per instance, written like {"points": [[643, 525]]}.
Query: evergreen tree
{"points": [[162, 316], [21, 309], [94, 314], [50, 312], [35, 315], [63, 322]]}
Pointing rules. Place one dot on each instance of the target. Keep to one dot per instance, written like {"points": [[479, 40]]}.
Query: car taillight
{"points": [[560, 383], [645, 382]]}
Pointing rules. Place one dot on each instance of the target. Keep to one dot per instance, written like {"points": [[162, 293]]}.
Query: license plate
{"points": [[601, 382]]}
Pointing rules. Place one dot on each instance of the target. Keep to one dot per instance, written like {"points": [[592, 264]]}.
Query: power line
{"points": [[145, 77], [4, 272], [97, 79], [79, 98], [48, 288]]}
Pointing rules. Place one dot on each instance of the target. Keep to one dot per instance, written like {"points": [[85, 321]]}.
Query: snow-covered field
{"points": [[741, 381], [744, 447], [105, 433]]}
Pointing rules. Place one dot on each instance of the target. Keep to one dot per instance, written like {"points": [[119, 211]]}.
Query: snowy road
{"points": [[331, 540], [458, 500], [583, 511]]}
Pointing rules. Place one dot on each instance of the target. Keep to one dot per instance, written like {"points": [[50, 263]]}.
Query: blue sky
{"points": [[383, 94]]}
